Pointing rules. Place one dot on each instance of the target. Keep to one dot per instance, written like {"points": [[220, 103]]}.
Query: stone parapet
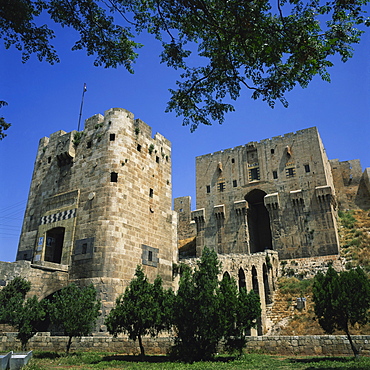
{"points": [[326, 345]]}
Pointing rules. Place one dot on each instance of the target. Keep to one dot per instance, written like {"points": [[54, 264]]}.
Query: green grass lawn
{"points": [[95, 360]]}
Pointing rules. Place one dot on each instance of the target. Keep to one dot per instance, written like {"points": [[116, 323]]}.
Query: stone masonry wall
{"points": [[327, 345], [308, 267]]}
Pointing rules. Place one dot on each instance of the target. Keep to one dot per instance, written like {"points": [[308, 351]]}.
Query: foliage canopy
{"points": [[265, 46], [342, 299], [3, 124]]}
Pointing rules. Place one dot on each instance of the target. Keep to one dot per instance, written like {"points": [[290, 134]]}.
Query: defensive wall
{"points": [[326, 345], [44, 280]]}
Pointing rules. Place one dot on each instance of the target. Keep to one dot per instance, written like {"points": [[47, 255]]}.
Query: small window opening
{"points": [[274, 174], [84, 248], [181, 210], [272, 151], [150, 256], [157, 159], [138, 147], [112, 137], [235, 183], [88, 145], [254, 174], [232, 160], [307, 168], [290, 172], [151, 193], [113, 177], [221, 186], [208, 189], [49, 159]]}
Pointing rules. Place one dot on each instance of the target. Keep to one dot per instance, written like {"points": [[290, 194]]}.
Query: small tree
{"points": [[141, 310], [28, 319], [196, 314], [240, 311], [206, 311], [75, 310], [342, 299], [25, 315]]}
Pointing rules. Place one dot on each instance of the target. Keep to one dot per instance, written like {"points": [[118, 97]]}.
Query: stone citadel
{"points": [[100, 203]]}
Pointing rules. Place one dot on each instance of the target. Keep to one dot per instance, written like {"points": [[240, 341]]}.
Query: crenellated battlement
{"points": [[266, 142]]}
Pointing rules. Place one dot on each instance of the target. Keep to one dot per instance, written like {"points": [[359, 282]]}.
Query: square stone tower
{"points": [[100, 204], [274, 194]]}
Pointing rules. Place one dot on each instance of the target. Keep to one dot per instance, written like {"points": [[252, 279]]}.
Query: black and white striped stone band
{"points": [[65, 215]]}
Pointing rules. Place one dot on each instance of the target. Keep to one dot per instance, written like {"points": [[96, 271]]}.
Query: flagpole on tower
{"points": [[82, 103]]}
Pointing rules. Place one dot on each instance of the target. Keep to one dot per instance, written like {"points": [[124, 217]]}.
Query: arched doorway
{"points": [[257, 291], [54, 244], [258, 222]]}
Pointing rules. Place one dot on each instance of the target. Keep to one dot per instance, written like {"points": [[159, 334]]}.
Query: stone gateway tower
{"points": [[277, 194], [100, 204]]}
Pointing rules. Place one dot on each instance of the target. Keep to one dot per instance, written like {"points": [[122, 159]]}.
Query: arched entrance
{"points": [[54, 244], [258, 222]]}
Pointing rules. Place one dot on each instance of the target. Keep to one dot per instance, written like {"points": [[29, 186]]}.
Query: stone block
{"points": [[4, 361], [18, 360]]}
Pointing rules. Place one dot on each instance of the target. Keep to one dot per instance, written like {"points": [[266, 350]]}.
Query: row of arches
{"points": [[267, 282], [260, 279]]}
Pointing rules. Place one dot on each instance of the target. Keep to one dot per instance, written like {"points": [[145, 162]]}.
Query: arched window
{"points": [[255, 280], [242, 282]]}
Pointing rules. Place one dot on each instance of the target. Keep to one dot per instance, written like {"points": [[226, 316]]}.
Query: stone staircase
{"points": [[279, 312]]}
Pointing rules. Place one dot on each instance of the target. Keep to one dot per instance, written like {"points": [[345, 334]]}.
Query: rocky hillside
{"points": [[354, 233], [286, 314]]}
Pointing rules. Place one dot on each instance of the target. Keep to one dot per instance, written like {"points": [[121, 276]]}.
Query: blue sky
{"points": [[46, 98]]}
